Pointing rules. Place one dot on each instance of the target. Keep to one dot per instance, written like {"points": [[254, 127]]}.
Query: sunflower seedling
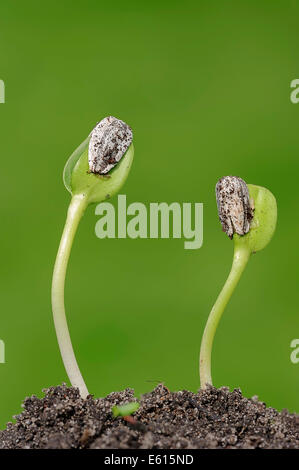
{"points": [[93, 173], [248, 215], [125, 410]]}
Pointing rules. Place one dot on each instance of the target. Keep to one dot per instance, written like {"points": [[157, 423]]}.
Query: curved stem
{"points": [[74, 214], [241, 257]]}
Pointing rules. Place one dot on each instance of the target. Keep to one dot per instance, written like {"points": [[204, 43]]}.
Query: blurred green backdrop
{"points": [[205, 86]]}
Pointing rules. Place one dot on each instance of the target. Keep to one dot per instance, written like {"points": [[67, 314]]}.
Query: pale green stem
{"points": [[241, 257], [74, 214]]}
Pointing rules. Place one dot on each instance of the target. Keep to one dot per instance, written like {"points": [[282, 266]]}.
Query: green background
{"points": [[205, 86]]}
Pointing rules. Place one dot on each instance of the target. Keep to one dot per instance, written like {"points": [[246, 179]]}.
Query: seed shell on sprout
{"points": [[109, 141], [234, 207]]}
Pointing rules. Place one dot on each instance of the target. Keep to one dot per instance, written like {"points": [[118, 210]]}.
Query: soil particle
{"points": [[212, 418]]}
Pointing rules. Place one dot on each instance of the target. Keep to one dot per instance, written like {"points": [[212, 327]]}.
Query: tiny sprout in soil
{"points": [[94, 172], [125, 410], [248, 215]]}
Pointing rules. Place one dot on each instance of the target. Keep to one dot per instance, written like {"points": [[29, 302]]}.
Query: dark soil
{"points": [[213, 418]]}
